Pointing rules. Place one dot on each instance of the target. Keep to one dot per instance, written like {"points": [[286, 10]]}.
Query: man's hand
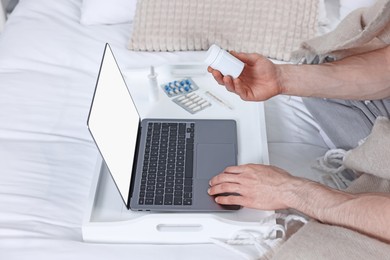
{"points": [[361, 77], [270, 188], [259, 186], [258, 81]]}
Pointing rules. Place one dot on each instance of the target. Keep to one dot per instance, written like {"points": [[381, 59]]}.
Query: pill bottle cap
{"points": [[223, 61], [212, 54]]}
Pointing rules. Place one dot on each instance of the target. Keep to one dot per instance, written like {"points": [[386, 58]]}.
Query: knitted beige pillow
{"points": [[273, 28]]}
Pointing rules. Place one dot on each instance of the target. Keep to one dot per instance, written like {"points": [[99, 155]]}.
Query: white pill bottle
{"points": [[221, 60]]}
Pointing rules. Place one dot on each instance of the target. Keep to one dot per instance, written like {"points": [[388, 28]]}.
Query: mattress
{"points": [[48, 68]]}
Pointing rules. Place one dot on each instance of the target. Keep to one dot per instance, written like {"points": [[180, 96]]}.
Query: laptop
{"points": [[157, 164]]}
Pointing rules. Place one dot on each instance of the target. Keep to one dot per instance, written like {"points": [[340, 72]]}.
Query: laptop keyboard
{"points": [[167, 173]]}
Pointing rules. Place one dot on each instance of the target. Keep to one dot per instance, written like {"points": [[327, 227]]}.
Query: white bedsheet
{"points": [[48, 69]]}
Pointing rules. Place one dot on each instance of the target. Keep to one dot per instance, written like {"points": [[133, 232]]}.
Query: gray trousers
{"points": [[346, 122]]}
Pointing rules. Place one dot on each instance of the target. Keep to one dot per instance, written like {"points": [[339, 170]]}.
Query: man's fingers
{"points": [[231, 200], [217, 75], [237, 168], [225, 188], [248, 58], [224, 177], [228, 82], [230, 174]]}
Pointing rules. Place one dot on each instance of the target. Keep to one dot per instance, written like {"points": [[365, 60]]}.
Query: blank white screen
{"points": [[113, 122]]}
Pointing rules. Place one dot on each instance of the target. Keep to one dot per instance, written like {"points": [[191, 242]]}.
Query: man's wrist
{"points": [[317, 201], [284, 78], [292, 192]]}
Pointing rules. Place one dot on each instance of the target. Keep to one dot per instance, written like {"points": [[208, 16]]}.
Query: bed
{"points": [[48, 68]]}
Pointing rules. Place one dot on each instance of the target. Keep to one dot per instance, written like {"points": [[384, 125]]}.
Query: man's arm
{"points": [[367, 213], [270, 188], [359, 77], [362, 77]]}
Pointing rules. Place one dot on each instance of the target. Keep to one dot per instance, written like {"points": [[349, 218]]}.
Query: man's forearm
{"points": [[360, 77], [366, 213]]}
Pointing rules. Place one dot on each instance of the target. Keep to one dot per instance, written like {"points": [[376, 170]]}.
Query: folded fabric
{"points": [[321, 241], [373, 156], [363, 30]]}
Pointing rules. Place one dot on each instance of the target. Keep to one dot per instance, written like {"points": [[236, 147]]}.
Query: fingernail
{"points": [[208, 191]]}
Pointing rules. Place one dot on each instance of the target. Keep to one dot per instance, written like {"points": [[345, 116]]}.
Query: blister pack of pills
{"points": [[179, 87], [192, 102]]}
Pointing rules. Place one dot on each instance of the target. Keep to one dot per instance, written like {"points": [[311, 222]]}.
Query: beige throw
{"points": [[372, 152], [320, 241], [362, 30]]}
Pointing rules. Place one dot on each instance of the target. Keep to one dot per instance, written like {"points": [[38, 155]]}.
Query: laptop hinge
{"points": [[135, 161]]}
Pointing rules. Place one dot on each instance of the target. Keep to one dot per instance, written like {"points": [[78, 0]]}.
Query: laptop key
{"points": [[151, 182], [158, 200], [187, 182], [141, 201], [177, 201], [150, 194], [168, 190], [187, 189], [149, 201], [178, 187], [168, 199], [187, 202], [190, 146], [189, 164]]}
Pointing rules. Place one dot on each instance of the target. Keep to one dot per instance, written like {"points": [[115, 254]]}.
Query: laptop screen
{"points": [[113, 122]]}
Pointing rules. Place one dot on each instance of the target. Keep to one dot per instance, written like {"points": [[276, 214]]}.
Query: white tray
{"points": [[108, 220]]}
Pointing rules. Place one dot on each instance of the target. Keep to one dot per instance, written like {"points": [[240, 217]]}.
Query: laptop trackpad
{"points": [[212, 159]]}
